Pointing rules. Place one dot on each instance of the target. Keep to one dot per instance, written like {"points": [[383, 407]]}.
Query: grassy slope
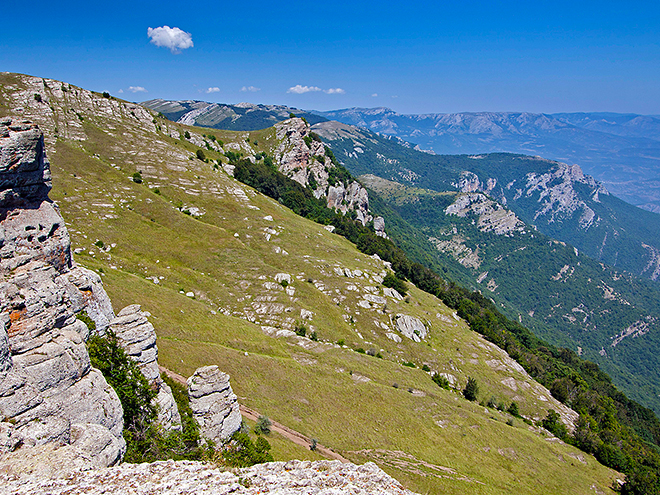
{"points": [[344, 399]]}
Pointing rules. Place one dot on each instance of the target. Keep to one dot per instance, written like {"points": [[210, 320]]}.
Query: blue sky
{"points": [[414, 57]]}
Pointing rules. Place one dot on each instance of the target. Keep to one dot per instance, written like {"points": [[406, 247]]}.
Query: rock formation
{"points": [[138, 338], [303, 159], [183, 477], [214, 404], [48, 390]]}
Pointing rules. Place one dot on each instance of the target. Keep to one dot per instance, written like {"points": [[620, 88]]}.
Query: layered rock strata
{"points": [[138, 338], [48, 390], [214, 404]]}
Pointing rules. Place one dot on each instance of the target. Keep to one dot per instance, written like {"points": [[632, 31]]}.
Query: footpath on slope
{"points": [[292, 435]]}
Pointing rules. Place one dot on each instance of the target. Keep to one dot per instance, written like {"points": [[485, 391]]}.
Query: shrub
{"points": [[513, 410], [552, 423], [409, 364], [99, 244], [312, 447], [471, 390], [341, 342], [263, 425], [133, 389], [106, 94], [137, 178], [200, 155], [441, 381], [314, 336], [394, 282], [240, 451], [300, 330], [425, 367], [186, 135], [37, 97], [360, 350]]}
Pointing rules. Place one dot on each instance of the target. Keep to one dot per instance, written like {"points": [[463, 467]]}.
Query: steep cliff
{"points": [[48, 390]]}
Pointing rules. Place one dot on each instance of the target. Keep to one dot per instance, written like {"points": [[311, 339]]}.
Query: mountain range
{"points": [[619, 150]]}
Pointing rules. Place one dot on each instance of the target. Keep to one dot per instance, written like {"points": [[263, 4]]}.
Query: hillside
{"points": [[228, 275], [617, 149], [558, 200], [564, 296]]}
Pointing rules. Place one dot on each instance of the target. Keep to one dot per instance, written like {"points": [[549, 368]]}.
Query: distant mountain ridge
{"points": [[239, 117], [620, 150]]}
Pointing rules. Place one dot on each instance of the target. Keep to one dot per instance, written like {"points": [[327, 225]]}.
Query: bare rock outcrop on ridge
{"points": [[138, 338], [214, 404], [48, 390], [303, 159]]}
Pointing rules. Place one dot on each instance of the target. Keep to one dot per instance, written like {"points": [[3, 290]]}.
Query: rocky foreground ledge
{"points": [[188, 477]]}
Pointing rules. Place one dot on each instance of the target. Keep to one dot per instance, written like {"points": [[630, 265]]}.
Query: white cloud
{"points": [[252, 89], [334, 91], [298, 89], [374, 95], [120, 91], [137, 89], [214, 89], [173, 38]]}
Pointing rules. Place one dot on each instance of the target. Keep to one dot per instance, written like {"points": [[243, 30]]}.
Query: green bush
{"points": [[552, 423], [471, 389], [106, 94], [263, 425], [409, 364], [240, 451], [394, 282], [300, 330], [200, 155], [137, 178], [186, 135], [513, 410], [441, 381]]}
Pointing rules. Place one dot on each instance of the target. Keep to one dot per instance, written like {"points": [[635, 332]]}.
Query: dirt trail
{"points": [[292, 435]]}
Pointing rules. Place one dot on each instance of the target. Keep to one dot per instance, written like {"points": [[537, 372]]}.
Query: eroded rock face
{"points": [[214, 404], [304, 160], [48, 388], [138, 338]]}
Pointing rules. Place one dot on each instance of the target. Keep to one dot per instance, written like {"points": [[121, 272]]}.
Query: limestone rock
{"points": [[184, 477], [411, 327], [46, 380], [214, 404], [138, 338], [304, 160]]}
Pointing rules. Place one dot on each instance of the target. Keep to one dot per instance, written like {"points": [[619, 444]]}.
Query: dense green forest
{"points": [[619, 432]]}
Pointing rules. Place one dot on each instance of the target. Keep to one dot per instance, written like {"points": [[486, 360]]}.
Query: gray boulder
{"points": [[411, 327], [214, 404]]}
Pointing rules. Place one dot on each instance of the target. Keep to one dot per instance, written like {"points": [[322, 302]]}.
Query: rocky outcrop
{"points": [[183, 477], [411, 327], [302, 157], [491, 216], [214, 404], [48, 390], [138, 338]]}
